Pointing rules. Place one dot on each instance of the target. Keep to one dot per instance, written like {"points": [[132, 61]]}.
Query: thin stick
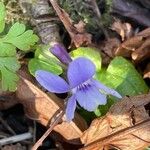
{"points": [[65, 20], [7, 126], [99, 16], [34, 131], [97, 11], [53, 124], [16, 138]]}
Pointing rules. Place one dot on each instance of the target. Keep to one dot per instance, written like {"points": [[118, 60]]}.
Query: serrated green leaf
{"points": [[7, 49], [90, 53], [24, 41], [16, 30], [2, 16], [9, 80], [20, 38], [17, 37], [37, 64], [11, 63], [122, 76], [8, 68]]}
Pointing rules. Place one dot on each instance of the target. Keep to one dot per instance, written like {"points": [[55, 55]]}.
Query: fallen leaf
{"points": [[123, 29], [109, 46], [142, 52], [136, 47], [126, 126]]}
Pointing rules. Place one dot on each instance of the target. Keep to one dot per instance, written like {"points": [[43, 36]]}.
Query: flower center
{"points": [[83, 86]]}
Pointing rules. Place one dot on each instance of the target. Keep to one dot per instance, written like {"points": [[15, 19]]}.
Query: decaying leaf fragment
{"points": [[125, 30], [109, 46], [137, 47], [126, 126]]}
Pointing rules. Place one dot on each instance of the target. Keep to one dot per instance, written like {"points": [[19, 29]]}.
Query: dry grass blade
{"points": [[126, 126]]}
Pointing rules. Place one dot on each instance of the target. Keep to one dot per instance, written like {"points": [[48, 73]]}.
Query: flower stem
{"points": [[53, 124]]}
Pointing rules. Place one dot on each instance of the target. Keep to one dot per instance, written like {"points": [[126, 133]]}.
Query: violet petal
{"points": [[53, 83], [90, 97], [71, 106], [106, 89], [60, 52], [79, 71]]}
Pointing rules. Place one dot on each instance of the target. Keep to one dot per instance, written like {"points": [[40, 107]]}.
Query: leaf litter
{"points": [[126, 126]]}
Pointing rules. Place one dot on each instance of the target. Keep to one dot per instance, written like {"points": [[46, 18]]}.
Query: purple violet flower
{"points": [[60, 52], [88, 92]]}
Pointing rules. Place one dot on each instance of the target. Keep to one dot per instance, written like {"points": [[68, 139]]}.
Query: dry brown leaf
{"points": [[126, 126], [136, 47], [77, 33], [108, 46], [123, 29], [142, 52]]}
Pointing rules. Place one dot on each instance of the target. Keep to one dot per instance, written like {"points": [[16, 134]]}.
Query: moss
{"points": [[106, 17], [81, 10], [14, 12]]}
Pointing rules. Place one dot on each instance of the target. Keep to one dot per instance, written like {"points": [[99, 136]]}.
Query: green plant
{"points": [[16, 38]]}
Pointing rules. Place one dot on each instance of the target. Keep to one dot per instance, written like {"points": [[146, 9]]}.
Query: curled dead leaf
{"points": [[126, 126], [123, 29], [110, 45], [136, 47]]}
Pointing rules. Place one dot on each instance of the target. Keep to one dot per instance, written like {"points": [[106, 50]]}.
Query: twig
{"points": [[53, 124], [98, 13], [78, 37], [7, 126], [62, 16], [121, 133], [16, 138], [34, 131], [95, 8]]}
